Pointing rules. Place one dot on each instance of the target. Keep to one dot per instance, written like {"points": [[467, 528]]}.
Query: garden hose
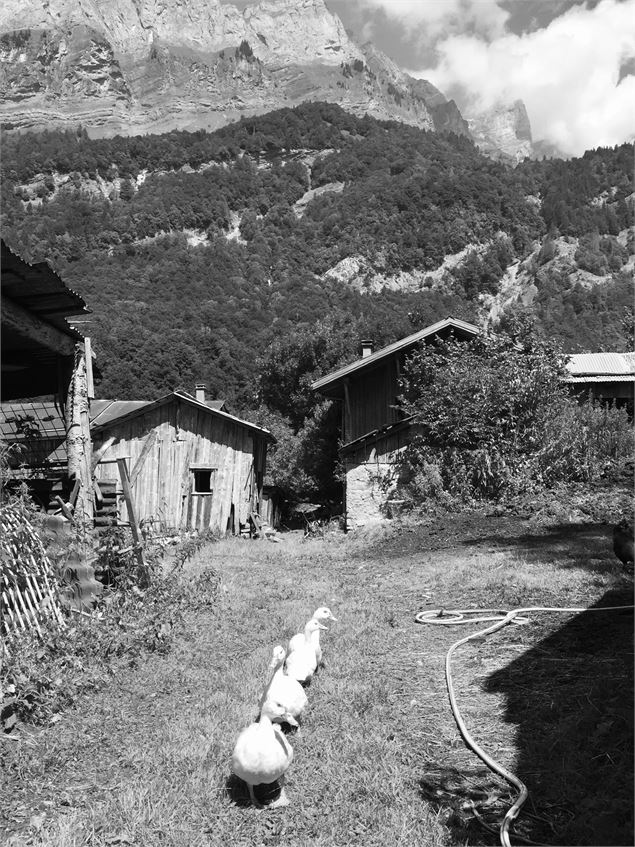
{"points": [[451, 617]]}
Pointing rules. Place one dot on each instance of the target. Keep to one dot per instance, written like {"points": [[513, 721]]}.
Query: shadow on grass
{"points": [[576, 544], [238, 792], [462, 796], [571, 697]]}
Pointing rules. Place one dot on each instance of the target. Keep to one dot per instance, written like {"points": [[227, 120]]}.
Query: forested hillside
{"points": [[194, 254]]}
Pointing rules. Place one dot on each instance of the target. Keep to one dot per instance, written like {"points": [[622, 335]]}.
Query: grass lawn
{"points": [[146, 760]]}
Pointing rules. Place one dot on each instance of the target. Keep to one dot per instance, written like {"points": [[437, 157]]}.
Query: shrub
{"points": [[492, 418]]}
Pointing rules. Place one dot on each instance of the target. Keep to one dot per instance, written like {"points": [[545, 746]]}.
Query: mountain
{"points": [[503, 132], [199, 251], [136, 66]]}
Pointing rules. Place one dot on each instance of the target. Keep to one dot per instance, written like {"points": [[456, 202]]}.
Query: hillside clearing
{"points": [[379, 761]]}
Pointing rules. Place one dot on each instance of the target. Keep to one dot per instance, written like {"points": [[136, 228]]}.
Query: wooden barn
{"points": [[374, 430], [44, 357], [189, 464]]}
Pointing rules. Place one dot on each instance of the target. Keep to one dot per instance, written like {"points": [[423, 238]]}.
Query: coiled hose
{"points": [[451, 617]]}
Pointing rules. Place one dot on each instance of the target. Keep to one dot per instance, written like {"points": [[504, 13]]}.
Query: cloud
{"points": [[567, 74], [426, 20]]}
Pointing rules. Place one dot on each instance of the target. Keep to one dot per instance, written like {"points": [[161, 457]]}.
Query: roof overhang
{"points": [[376, 434], [38, 345], [181, 396], [333, 384]]}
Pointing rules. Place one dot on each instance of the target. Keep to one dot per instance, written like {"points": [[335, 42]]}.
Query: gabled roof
{"points": [[333, 383], [104, 411], [132, 408], [601, 367]]}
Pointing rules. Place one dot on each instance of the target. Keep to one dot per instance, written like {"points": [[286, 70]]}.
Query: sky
{"points": [[572, 62]]}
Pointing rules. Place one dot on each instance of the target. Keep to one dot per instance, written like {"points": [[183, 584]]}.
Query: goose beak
{"points": [[290, 719], [321, 626], [331, 618]]}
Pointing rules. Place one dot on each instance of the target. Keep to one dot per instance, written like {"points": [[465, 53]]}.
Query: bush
{"points": [[493, 419]]}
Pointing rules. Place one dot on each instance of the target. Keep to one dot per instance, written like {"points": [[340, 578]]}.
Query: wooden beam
{"points": [[64, 508], [147, 446], [29, 326], [89, 369], [75, 492], [98, 456], [137, 538], [348, 420]]}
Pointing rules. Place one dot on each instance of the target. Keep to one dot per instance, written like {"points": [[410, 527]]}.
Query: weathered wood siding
{"points": [[185, 439], [370, 402]]}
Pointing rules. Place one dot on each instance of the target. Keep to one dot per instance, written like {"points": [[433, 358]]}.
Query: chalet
{"points": [[181, 462], [44, 356], [374, 430]]}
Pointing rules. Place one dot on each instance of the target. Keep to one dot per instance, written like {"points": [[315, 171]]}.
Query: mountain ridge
{"points": [[137, 66]]}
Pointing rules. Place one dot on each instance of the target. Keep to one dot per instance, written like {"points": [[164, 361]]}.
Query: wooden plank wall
{"points": [[186, 436], [371, 397]]}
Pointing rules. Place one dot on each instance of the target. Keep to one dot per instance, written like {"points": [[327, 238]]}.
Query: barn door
{"points": [[201, 497]]}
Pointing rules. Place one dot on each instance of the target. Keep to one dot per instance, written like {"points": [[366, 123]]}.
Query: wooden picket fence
{"points": [[28, 594]]}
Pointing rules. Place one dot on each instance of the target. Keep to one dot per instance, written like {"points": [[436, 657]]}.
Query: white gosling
{"points": [[302, 663], [321, 614], [282, 688], [262, 754]]}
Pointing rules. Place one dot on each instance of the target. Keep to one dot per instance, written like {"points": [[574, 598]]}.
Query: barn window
{"points": [[202, 480]]}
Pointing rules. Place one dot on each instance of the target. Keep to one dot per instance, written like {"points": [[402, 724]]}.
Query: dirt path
{"points": [[380, 762]]}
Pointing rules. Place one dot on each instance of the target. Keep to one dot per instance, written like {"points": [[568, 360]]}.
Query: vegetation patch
{"points": [[379, 760]]}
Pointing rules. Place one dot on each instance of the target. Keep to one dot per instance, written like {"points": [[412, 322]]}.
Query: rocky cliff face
{"points": [[503, 131], [133, 66]]}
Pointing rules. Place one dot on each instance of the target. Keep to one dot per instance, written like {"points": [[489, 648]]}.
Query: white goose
{"points": [[262, 753], [301, 664], [282, 688], [321, 614]]}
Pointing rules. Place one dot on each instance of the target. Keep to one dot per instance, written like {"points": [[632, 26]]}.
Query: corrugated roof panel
{"points": [[104, 411], [584, 378], [596, 364], [39, 419]]}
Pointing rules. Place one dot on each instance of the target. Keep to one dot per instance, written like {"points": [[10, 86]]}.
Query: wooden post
{"points": [[78, 441], [132, 517], [90, 387]]}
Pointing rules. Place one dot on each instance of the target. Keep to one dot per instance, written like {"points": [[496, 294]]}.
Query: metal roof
{"points": [[37, 288], [39, 428], [143, 406], [39, 418], [462, 328], [104, 411], [611, 367]]}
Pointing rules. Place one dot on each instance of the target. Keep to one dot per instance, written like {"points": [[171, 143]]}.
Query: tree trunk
{"points": [[78, 441]]}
